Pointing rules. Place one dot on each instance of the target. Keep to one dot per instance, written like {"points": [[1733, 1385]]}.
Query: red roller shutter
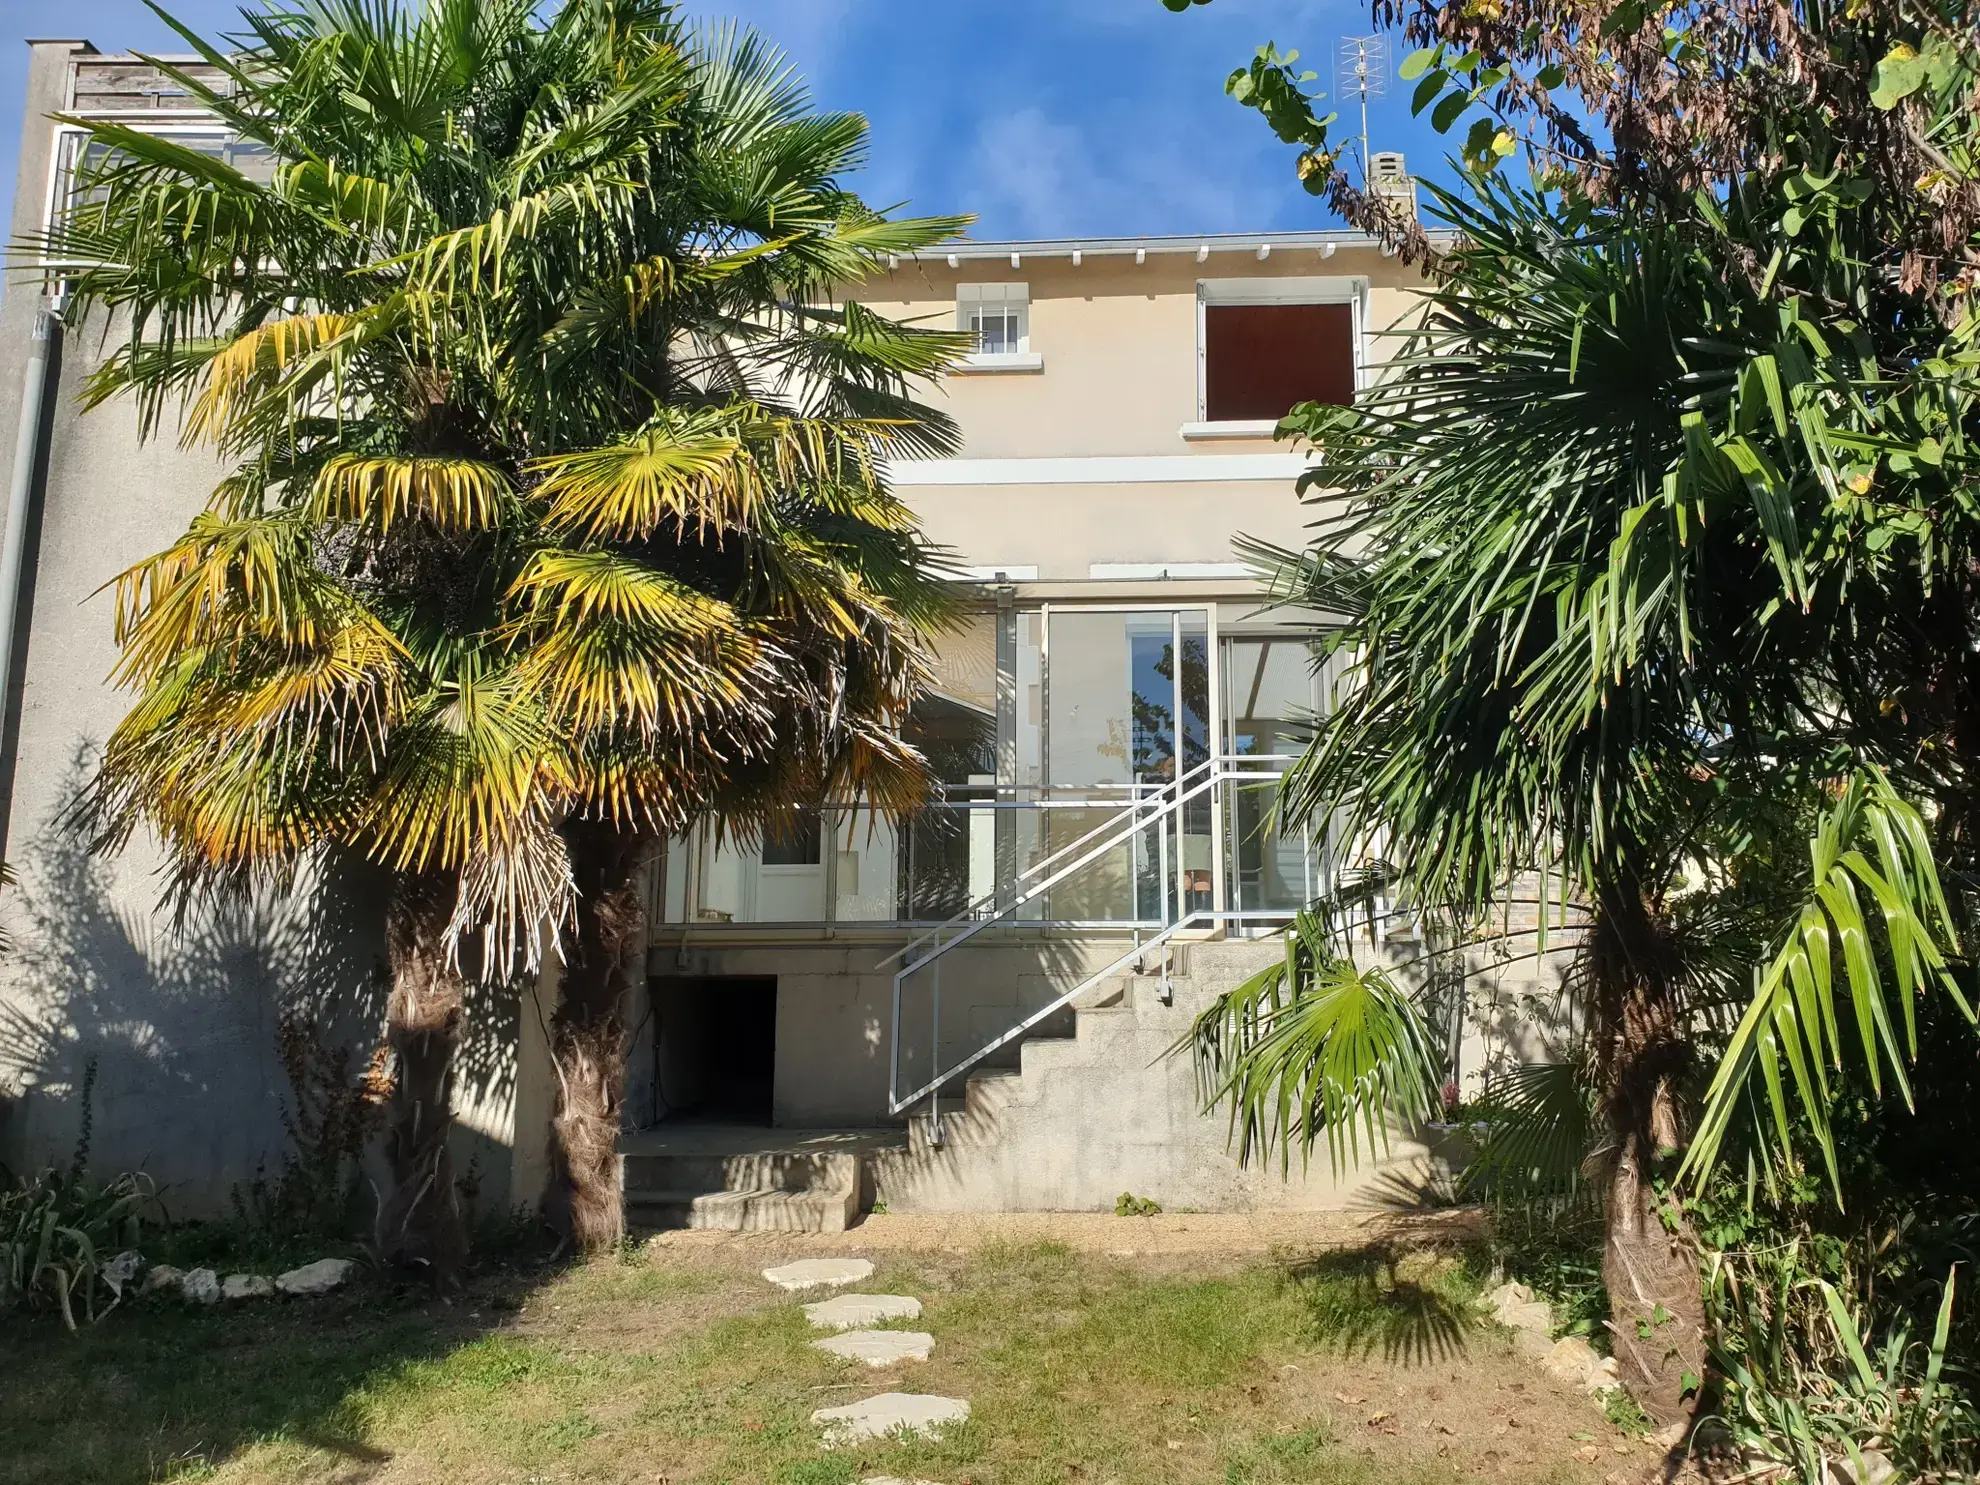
{"points": [[1262, 359]]}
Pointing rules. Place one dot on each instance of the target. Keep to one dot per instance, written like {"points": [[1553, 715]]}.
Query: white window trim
{"points": [[1351, 290], [1017, 297], [978, 361], [1231, 428]]}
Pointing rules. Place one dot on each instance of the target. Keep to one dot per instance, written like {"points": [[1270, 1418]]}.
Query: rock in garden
{"points": [[889, 1413], [247, 1286], [161, 1276], [857, 1311], [1877, 1470], [200, 1286], [1606, 1376], [819, 1273], [120, 1270], [879, 1347], [319, 1277], [1514, 1307], [1571, 1360]]}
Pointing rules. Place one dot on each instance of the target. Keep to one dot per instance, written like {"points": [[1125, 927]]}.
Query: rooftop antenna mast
{"points": [[1363, 73]]}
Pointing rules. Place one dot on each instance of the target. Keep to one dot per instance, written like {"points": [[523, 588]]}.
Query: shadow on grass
{"points": [[1416, 1308], [158, 1391]]}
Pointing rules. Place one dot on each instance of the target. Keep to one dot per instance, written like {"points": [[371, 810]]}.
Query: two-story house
{"points": [[970, 1010]]}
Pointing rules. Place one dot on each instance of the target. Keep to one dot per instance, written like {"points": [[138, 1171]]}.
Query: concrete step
{"points": [[987, 1092], [768, 1170], [764, 1210]]}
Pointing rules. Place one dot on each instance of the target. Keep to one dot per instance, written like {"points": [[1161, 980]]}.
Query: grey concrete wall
{"points": [[1095, 1106], [835, 1012]]}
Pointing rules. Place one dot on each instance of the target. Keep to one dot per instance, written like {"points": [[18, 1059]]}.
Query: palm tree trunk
{"points": [[1651, 1271], [419, 1219], [588, 1037]]}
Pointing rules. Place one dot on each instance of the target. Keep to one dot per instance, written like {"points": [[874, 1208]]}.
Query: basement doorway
{"points": [[715, 1048]]}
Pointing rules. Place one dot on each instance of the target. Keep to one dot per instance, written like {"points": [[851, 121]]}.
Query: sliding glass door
{"points": [[1127, 709]]}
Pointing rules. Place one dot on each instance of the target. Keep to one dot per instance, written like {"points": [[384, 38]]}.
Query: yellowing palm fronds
{"points": [[261, 381], [224, 580], [378, 490], [471, 763], [693, 473], [615, 677], [582, 586]]}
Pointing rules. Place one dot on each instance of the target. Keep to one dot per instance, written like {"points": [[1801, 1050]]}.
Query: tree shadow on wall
{"points": [[180, 1016]]}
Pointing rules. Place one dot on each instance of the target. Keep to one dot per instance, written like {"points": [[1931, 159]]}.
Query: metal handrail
{"points": [[1216, 774], [899, 1105], [1125, 832], [969, 912]]}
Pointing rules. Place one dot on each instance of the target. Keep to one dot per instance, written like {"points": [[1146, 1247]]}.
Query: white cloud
{"points": [[1019, 168], [1032, 175]]}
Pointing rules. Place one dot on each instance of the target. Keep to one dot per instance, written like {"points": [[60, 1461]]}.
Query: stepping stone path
{"points": [[879, 1347], [820, 1273], [889, 1413], [857, 1311]]}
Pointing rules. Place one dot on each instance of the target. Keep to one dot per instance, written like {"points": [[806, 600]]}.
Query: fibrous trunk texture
{"points": [[419, 1219], [1649, 1264], [588, 1038]]}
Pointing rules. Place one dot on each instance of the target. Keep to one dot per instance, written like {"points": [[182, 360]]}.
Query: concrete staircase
{"points": [[747, 1180], [1082, 1118]]}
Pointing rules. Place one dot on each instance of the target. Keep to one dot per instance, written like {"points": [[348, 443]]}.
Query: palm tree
{"points": [[555, 519], [1575, 604]]}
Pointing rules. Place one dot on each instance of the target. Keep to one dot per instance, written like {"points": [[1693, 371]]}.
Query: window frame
{"points": [[1351, 290], [68, 141], [1014, 297]]}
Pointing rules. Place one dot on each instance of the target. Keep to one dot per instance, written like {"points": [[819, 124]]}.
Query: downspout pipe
{"points": [[43, 342]]}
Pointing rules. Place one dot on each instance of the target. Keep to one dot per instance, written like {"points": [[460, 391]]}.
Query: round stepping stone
{"points": [[879, 1347], [820, 1273], [857, 1311], [888, 1414]]}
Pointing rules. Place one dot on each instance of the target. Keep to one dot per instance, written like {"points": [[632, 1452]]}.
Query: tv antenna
{"points": [[1363, 72]]}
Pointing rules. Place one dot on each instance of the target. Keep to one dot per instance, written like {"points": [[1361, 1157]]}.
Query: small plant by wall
{"points": [[331, 1115], [61, 1232]]}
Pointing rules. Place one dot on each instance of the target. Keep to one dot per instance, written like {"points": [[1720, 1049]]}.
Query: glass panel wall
{"points": [[1042, 725], [1272, 694]]}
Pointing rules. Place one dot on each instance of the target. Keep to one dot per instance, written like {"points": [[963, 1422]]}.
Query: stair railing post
{"points": [[935, 1051]]}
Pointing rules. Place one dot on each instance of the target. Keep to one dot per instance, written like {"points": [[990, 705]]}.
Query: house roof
{"points": [[1262, 245]]}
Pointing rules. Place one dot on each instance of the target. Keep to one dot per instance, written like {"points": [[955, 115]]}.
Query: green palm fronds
{"points": [[1870, 863], [1313, 1047]]}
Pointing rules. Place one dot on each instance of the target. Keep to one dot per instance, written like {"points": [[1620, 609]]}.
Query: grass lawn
{"points": [[681, 1365]]}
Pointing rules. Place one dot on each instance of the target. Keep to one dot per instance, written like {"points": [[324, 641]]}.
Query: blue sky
{"points": [[1046, 118]]}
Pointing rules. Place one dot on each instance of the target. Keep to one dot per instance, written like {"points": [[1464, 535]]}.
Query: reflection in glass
{"points": [[1271, 685]]}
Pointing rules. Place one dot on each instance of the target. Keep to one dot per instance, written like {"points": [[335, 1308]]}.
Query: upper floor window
{"points": [[1266, 345], [79, 159], [998, 318], [796, 841]]}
